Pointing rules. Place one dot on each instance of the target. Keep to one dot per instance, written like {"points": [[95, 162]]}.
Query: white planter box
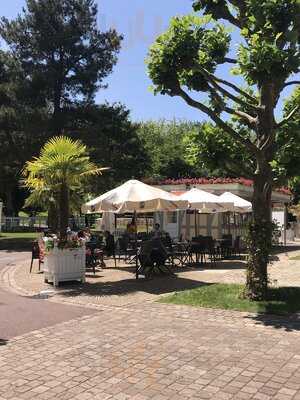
{"points": [[64, 265]]}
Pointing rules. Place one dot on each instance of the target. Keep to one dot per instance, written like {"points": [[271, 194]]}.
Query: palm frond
{"points": [[62, 161]]}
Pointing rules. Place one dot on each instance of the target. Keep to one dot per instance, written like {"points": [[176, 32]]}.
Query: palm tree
{"points": [[62, 167]]}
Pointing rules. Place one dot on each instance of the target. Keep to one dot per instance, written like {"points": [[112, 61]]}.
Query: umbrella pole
{"points": [[228, 221], [195, 215], [136, 247]]}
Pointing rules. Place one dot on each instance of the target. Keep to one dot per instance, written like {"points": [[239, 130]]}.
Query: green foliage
{"points": [[185, 60], [62, 50], [259, 243], [211, 149], [56, 58], [63, 166], [271, 32], [190, 41], [283, 300], [111, 137], [61, 160], [23, 118], [192, 44], [166, 144]]}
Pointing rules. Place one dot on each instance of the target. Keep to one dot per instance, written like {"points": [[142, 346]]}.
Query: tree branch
{"points": [[250, 121], [234, 134], [289, 117], [236, 88], [230, 60], [239, 169], [236, 99], [291, 83]]}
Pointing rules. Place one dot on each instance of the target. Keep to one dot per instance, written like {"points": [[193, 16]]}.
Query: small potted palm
{"points": [[62, 168]]}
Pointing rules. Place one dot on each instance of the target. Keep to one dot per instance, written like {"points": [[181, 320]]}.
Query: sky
{"points": [[140, 22]]}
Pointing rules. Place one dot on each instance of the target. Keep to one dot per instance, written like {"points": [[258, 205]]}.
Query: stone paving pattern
{"points": [[134, 348], [155, 351]]}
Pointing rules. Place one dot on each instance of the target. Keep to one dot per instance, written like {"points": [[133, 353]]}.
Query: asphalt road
{"points": [[19, 315]]}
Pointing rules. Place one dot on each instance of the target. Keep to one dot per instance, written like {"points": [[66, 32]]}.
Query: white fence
{"points": [[19, 224]]}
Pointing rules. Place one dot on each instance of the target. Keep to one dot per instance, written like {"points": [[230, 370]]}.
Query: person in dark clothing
{"points": [[109, 248]]}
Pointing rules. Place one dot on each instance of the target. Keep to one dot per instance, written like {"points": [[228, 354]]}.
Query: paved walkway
{"points": [[146, 350], [156, 352], [19, 314]]}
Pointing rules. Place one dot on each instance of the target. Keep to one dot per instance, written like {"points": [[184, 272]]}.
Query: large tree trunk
{"points": [[260, 235], [63, 211], [53, 218], [8, 203]]}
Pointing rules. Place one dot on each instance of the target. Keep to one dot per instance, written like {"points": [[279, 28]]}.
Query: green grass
{"points": [[17, 240], [283, 300], [39, 214]]}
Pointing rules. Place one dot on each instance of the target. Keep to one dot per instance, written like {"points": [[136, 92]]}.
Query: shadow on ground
{"points": [[282, 310], [3, 342], [285, 249], [156, 286], [16, 244], [289, 323]]}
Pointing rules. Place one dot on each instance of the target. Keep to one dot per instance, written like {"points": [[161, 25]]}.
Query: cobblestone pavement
{"points": [[158, 352], [134, 348]]}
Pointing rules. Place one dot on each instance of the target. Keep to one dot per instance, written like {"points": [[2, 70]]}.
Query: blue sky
{"points": [[140, 21]]}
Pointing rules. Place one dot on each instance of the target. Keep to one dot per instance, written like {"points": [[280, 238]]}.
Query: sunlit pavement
{"points": [[150, 350]]}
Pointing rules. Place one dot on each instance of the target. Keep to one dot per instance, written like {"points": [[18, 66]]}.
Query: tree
{"points": [[111, 137], [62, 50], [63, 166], [165, 144], [210, 147], [22, 125], [185, 60]]}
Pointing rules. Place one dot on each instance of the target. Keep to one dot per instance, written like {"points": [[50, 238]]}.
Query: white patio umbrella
{"points": [[135, 197], [240, 205], [107, 222], [206, 202]]}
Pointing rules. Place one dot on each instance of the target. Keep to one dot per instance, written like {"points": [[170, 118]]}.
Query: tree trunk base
{"points": [[259, 242]]}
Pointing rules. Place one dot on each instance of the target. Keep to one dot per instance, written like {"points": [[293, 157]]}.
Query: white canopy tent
{"points": [[240, 205], [135, 196], [206, 202]]}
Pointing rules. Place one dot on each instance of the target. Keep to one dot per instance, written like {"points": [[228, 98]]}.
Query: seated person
{"points": [[87, 234], [81, 235], [159, 253], [152, 253], [157, 232], [130, 228]]}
